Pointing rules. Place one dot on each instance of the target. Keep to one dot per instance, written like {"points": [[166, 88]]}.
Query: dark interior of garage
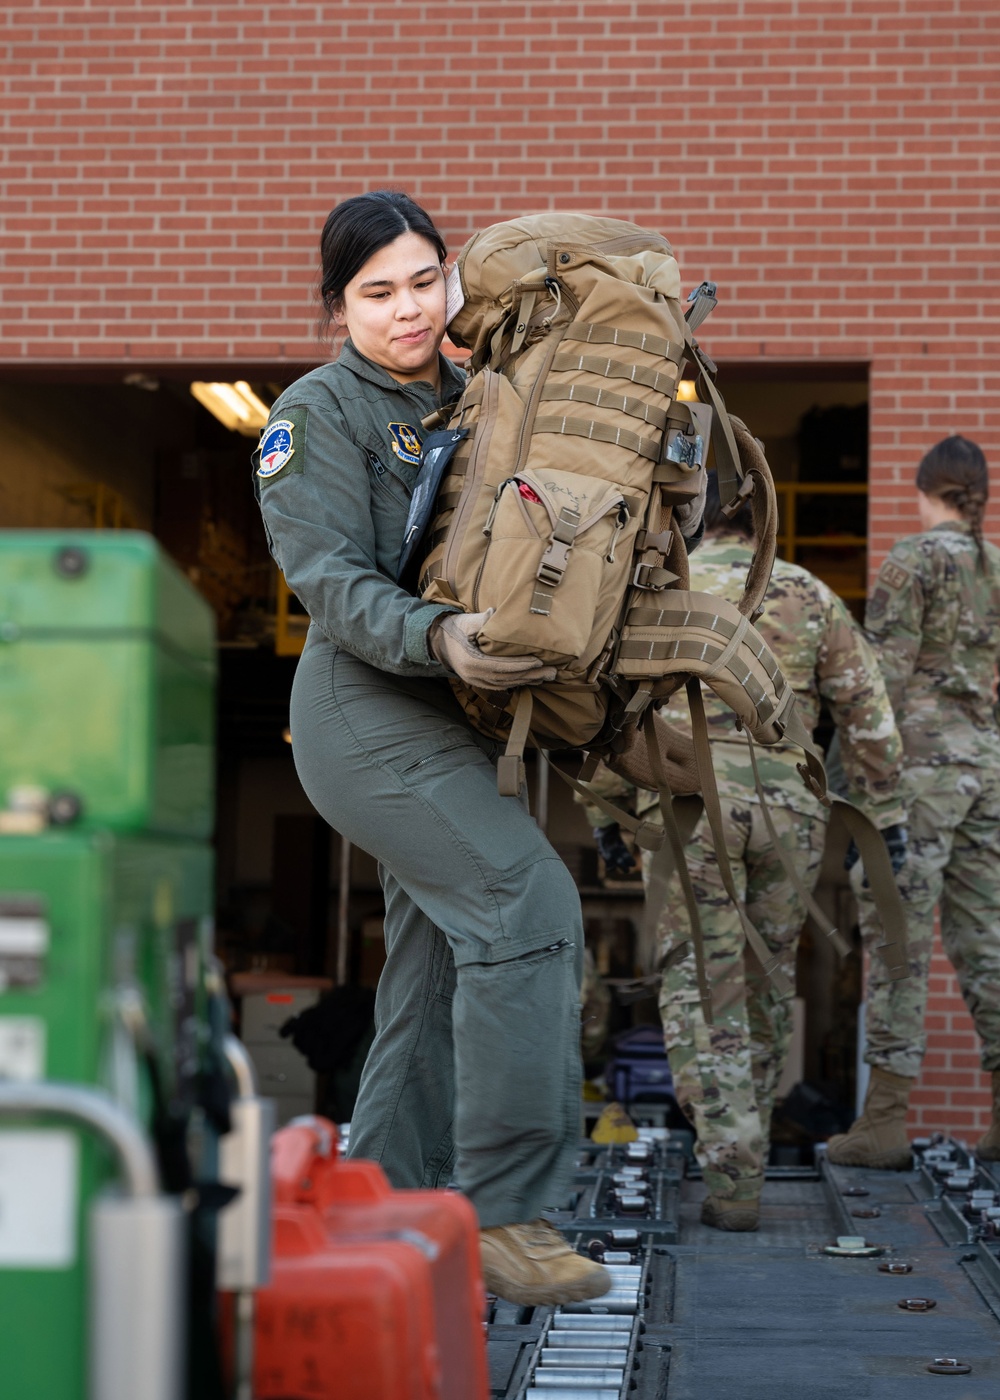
{"points": [[138, 450]]}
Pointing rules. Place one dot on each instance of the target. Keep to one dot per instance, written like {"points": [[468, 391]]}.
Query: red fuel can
{"points": [[375, 1294]]}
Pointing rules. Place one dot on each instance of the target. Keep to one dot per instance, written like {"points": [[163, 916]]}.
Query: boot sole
{"points": [[879, 1162], [737, 1221], [542, 1295]]}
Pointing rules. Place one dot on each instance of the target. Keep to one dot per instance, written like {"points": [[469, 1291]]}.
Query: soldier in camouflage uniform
{"points": [[726, 1074], [934, 617]]}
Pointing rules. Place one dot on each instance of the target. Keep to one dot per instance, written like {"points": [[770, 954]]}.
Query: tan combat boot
{"points": [[988, 1147], [878, 1138], [724, 1214], [533, 1264]]}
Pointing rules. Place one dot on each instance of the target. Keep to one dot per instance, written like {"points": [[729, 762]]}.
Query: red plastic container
{"points": [[375, 1294]]}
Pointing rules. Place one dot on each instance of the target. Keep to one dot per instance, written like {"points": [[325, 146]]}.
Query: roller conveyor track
{"points": [[696, 1314]]}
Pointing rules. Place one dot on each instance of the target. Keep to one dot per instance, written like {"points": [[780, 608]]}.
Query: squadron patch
{"points": [[893, 575], [276, 449], [406, 443]]}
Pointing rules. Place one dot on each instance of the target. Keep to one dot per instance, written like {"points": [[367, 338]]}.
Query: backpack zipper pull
{"points": [[622, 521], [488, 527]]}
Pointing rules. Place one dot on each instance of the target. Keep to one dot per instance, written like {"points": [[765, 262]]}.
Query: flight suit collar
{"points": [[452, 379]]}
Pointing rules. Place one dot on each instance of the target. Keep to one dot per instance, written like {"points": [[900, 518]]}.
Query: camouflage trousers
{"points": [[953, 864], [726, 1074]]}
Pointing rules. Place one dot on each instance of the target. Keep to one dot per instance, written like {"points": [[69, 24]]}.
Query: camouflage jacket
{"points": [[934, 619], [824, 657]]}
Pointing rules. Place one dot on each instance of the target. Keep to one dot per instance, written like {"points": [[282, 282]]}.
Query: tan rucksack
{"points": [[558, 512]]}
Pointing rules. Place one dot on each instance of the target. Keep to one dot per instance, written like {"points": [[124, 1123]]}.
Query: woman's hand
{"points": [[451, 640]]}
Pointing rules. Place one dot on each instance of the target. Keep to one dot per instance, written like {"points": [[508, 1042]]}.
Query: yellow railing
{"points": [[790, 541]]}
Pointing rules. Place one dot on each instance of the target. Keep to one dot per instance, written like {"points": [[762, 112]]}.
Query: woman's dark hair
{"points": [[715, 516], [357, 228], [955, 469]]}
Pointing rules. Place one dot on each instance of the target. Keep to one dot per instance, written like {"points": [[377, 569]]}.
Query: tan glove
{"points": [[450, 640]]}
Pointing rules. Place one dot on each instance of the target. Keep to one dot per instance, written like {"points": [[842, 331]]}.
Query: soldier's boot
{"points": [[878, 1138], [740, 1210], [723, 1214], [533, 1265], [988, 1147]]}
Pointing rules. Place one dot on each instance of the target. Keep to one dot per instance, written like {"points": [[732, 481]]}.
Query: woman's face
{"points": [[394, 309]]}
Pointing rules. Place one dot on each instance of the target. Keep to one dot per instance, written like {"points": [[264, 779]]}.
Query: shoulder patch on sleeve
{"points": [[877, 605], [893, 575], [282, 445]]}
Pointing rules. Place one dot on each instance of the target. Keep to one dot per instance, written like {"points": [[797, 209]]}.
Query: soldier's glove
{"points": [[451, 640], [612, 849], [897, 841]]}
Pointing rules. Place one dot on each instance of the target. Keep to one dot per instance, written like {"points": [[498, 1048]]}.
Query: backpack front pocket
{"points": [[558, 546]]}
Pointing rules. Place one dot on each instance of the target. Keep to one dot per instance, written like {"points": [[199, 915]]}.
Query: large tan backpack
{"points": [[558, 512]]}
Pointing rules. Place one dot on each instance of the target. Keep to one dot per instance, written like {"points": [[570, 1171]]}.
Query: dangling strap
{"points": [[510, 768], [878, 867], [676, 844], [821, 920], [687, 812], [769, 961], [645, 834]]}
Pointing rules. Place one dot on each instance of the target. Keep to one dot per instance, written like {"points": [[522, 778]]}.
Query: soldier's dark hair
{"points": [[955, 470], [715, 516], [357, 228]]}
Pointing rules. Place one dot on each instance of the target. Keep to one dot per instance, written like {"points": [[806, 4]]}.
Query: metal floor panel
{"points": [[753, 1316]]}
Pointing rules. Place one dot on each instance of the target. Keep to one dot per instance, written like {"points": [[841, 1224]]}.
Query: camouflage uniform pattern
{"points": [[934, 619], [726, 1074], [595, 1009]]}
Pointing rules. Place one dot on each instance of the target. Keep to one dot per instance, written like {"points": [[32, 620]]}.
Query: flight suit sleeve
{"points": [[894, 620], [851, 683], [317, 511]]}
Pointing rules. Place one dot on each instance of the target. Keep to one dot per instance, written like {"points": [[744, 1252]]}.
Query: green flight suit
{"points": [[475, 1067]]}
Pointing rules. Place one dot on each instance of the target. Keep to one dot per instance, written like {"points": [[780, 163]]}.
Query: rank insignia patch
{"points": [[276, 448], [405, 443]]}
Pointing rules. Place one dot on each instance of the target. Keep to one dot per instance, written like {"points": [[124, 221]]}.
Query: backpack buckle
{"points": [[556, 556], [652, 577]]}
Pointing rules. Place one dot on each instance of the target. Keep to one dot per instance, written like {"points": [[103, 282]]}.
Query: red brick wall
{"points": [[833, 164], [952, 1094]]}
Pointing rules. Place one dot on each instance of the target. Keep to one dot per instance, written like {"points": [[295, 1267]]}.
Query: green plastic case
{"points": [[107, 675]]}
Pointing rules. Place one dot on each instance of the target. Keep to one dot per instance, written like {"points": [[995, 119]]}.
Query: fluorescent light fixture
{"points": [[235, 405], [686, 392]]}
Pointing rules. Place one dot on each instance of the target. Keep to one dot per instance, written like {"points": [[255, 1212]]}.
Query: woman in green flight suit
{"points": [[475, 1065]]}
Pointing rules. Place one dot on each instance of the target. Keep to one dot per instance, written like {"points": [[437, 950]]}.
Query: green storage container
{"points": [[107, 679], [98, 935]]}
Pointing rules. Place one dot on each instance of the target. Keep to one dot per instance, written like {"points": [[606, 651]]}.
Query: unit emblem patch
{"points": [[276, 448], [406, 443]]}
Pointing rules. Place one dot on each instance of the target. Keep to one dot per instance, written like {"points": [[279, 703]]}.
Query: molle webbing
{"points": [[604, 398], [660, 382], [632, 340], [600, 432]]}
